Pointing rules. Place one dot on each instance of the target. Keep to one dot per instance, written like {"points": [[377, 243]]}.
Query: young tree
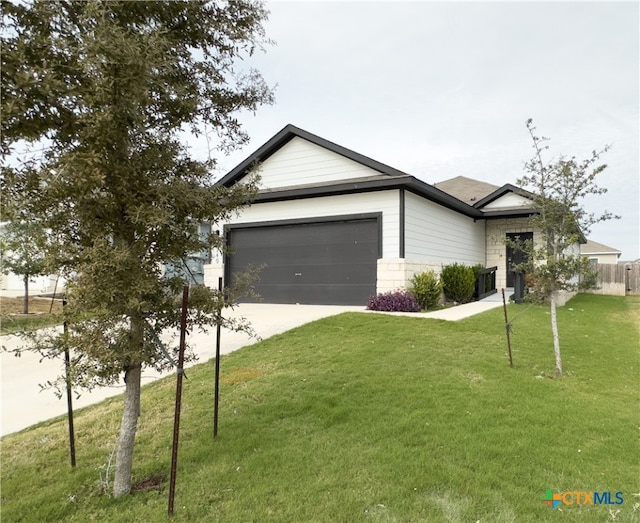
{"points": [[22, 250], [106, 90], [558, 188]]}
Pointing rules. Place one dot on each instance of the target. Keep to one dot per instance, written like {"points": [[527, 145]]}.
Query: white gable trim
{"points": [[509, 201]]}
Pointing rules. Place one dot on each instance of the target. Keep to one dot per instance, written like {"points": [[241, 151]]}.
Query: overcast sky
{"points": [[444, 89]]}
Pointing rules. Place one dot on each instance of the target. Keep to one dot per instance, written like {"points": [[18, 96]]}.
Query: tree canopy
{"points": [[96, 99], [22, 246], [558, 189]]}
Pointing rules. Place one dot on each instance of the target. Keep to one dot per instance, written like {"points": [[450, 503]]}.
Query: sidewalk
{"points": [[459, 312]]}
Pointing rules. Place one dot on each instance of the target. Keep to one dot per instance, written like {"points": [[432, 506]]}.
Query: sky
{"points": [[443, 89]]}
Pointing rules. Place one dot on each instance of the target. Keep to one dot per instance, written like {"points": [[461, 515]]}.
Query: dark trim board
{"points": [[314, 219], [510, 213], [320, 260], [355, 186], [402, 217]]}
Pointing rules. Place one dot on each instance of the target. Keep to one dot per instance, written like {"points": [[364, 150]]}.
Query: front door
{"points": [[514, 255]]}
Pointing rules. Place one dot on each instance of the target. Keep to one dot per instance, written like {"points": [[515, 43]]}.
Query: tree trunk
{"points": [[128, 427], [556, 337], [25, 303]]}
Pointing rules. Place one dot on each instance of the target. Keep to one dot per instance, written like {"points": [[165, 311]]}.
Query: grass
{"points": [[12, 320], [371, 418]]}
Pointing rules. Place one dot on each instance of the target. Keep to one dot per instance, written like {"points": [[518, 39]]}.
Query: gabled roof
{"points": [[592, 247], [466, 189], [388, 178], [287, 134], [501, 191], [479, 194]]}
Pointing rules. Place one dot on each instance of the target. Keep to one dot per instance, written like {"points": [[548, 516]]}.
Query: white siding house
{"points": [[333, 226]]}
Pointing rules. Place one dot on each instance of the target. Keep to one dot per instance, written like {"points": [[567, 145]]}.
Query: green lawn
{"points": [[371, 418]]}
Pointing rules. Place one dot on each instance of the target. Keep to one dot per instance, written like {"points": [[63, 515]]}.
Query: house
{"points": [[599, 253], [333, 226]]}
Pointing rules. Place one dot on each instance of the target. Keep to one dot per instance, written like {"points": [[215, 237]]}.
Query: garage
{"points": [[317, 261]]}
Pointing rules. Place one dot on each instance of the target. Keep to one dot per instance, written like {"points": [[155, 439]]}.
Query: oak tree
{"points": [[97, 99]]}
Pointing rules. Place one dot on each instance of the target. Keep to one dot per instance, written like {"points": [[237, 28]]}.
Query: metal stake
{"points": [[176, 419], [507, 327], [217, 377], [67, 366], [53, 297]]}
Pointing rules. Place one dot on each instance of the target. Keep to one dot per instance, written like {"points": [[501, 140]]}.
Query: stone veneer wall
{"points": [[497, 250], [395, 273], [495, 247], [212, 272], [562, 297]]}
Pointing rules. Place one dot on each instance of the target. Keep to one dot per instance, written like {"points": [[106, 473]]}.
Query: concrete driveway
{"points": [[23, 404]]}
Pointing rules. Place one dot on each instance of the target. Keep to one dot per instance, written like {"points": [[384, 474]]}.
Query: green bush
{"points": [[477, 269], [458, 282], [427, 288]]}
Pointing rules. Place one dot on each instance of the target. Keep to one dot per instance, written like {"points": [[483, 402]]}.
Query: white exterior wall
{"points": [[302, 162], [386, 202], [434, 236], [437, 235]]}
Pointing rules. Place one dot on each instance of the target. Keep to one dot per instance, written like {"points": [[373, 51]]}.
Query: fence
{"points": [[618, 279]]}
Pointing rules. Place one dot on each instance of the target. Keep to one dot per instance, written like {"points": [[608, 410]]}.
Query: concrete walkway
{"points": [[458, 312], [23, 404]]}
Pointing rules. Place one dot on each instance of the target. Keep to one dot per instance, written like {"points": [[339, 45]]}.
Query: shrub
{"points": [[477, 269], [458, 282], [394, 301], [427, 288]]}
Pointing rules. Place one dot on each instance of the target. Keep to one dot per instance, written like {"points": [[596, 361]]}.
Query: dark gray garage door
{"points": [[330, 262]]}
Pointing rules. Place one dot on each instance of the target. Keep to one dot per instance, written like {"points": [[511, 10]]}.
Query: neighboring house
{"points": [[334, 227], [599, 253], [615, 278], [14, 284]]}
